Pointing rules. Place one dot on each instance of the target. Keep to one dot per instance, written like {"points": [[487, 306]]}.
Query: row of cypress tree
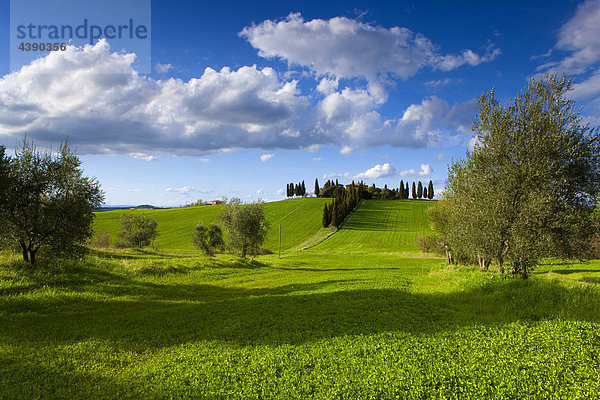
{"points": [[418, 191], [343, 204], [298, 189]]}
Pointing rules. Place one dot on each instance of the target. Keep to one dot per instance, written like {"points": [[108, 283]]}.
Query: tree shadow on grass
{"points": [[291, 314]]}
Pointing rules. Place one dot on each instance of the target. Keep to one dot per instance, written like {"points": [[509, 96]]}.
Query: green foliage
{"points": [[530, 185], [414, 191], [208, 239], [430, 244], [430, 191], [246, 225], [46, 201], [137, 230], [317, 190], [419, 190]]}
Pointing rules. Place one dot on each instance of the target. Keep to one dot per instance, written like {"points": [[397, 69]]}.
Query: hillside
{"points": [[300, 219], [380, 226]]}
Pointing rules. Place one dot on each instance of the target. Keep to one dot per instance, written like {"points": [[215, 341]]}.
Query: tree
{"points": [[414, 191], [326, 216], [535, 141], [215, 237], [46, 201], [246, 225], [424, 192], [430, 192], [419, 190], [207, 239], [316, 187], [303, 189], [137, 230]]}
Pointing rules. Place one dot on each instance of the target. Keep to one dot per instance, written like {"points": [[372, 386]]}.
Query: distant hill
{"points": [[126, 207]]}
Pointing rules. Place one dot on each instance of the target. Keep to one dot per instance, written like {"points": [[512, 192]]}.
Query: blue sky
{"points": [[243, 98]]}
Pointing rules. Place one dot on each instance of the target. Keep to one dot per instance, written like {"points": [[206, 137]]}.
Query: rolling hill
{"points": [[300, 220], [379, 226]]}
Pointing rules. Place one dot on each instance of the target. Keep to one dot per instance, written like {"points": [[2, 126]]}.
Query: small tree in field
{"points": [[246, 225], [46, 202], [208, 239], [137, 230], [529, 187]]}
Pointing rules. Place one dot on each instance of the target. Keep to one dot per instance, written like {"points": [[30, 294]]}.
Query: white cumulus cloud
{"points": [[425, 170], [378, 171], [348, 48], [266, 157], [162, 68], [185, 190]]}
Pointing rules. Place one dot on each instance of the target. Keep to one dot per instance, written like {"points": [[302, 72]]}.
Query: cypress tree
{"points": [[414, 191], [316, 187], [336, 182], [303, 189], [326, 220], [419, 191], [424, 192], [430, 191], [401, 190], [406, 191]]}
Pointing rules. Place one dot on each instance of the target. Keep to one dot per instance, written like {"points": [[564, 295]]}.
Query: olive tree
{"points": [[137, 230], [530, 185], [46, 201], [208, 239], [246, 225]]}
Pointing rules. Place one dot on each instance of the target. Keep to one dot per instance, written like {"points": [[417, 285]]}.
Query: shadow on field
{"points": [[166, 315]]}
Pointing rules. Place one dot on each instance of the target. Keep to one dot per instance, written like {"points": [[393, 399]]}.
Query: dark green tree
{"points": [[414, 191], [424, 192], [419, 190], [246, 225], [430, 192], [137, 230], [316, 187], [46, 201], [326, 216]]}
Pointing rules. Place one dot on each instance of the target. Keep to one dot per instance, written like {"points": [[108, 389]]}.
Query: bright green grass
{"points": [[380, 226], [300, 219], [351, 326]]}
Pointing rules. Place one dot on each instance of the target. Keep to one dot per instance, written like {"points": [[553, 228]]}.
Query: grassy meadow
{"points": [[328, 322]]}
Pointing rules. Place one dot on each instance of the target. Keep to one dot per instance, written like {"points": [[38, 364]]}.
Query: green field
{"points": [[351, 318], [138, 325], [380, 226], [300, 220]]}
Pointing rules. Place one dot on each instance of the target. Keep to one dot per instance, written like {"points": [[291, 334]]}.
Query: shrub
{"points": [[137, 231]]}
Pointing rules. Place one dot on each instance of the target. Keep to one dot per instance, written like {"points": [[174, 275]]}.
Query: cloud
{"points": [[346, 150], [425, 170], [422, 125], [347, 48], [186, 190], [379, 171], [94, 97], [162, 68], [259, 191], [280, 192], [337, 175], [316, 159], [145, 157], [439, 82], [266, 157], [580, 38]]}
